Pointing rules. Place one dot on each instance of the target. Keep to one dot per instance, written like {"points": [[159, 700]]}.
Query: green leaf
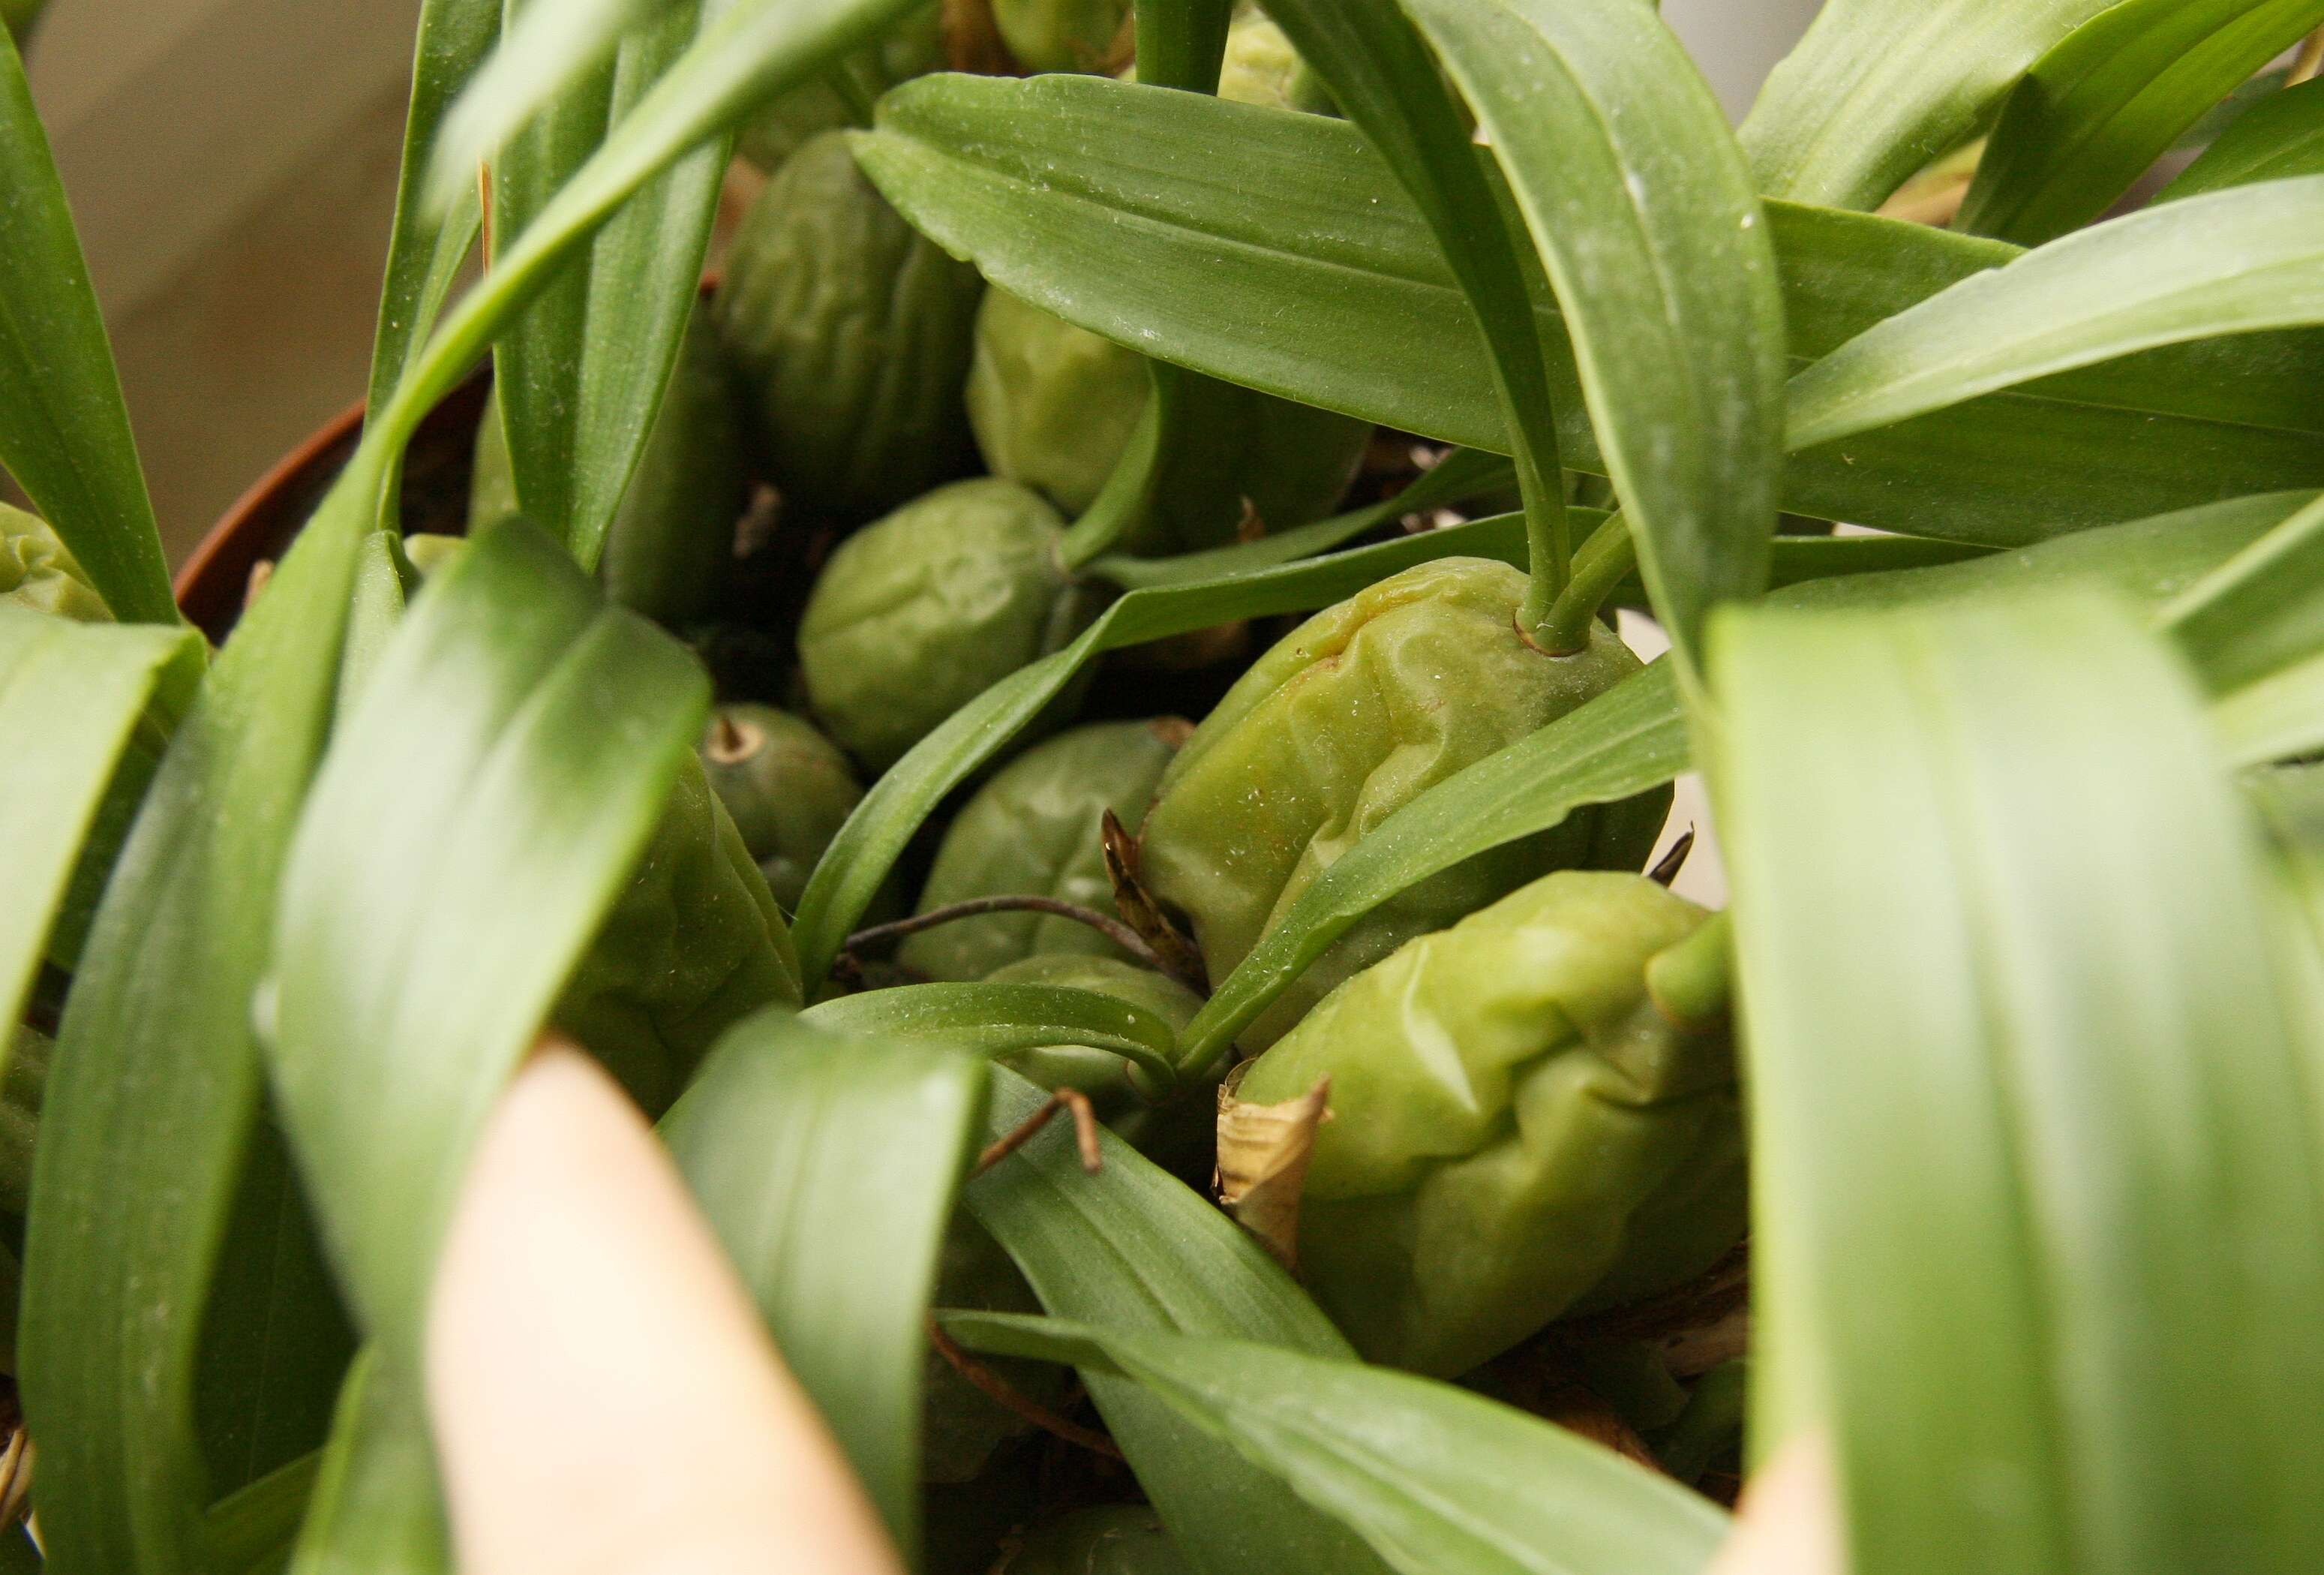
{"points": [[2098, 110], [859, 858], [425, 249], [1132, 1248], [1125, 210], [1181, 43], [828, 1166], [2277, 718], [1879, 88], [2038, 1194], [1438, 1480], [373, 615], [1383, 78], [2281, 137], [156, 1058], [64, 430], [253, 1529], [476, 815], [71, 696], [1641, 207], [374, 1507], [2260, 611], [998, 1018], [580, 373], [540, 60], [2232, 262]]}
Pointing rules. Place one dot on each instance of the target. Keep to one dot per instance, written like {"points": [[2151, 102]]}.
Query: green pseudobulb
{"points": [[843, 94], [1349, 718], [38, 571], [787, 786], [1534, 1112], [693, 944], [919, 613], [1033, 830], [1061, 35], [852, 334], [1113, 1539], [671, 543]]}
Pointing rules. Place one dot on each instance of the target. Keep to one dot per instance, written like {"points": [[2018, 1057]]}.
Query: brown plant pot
{"points": [[211, 585]]}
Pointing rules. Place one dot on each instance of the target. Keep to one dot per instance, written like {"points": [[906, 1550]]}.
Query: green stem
{"points": [[1127, 495], [1549, 543], [1604, 562]]}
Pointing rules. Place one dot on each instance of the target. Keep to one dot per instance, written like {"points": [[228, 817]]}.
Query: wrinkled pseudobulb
{"points": [[1033, 830], [38, 571], [852, 332], [1112, 1539], [1062, 35], [693, 944], [787, 786], [843, 94], [1053, 405], [919, 613], [1533, 1113], [1349, 718]]}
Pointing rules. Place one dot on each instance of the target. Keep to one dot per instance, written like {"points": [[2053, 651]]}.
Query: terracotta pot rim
{"points": [[216, 540]]}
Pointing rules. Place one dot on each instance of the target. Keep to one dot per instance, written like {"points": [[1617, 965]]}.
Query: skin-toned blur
{"points": [[606, 1401]]}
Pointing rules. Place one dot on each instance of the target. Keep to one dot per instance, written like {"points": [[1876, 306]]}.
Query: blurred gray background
{"points": [[232, 164]]}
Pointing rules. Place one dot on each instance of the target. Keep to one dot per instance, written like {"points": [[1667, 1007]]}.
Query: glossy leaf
{"points": [[64, 430], [865, 850], [476, 818], [1132, 1248], [2260, 611], [828, 1165], [2112, 97], [998, 1018], [2232, 262], [1434, 1477], [375, 1506], [580, 374], [2046, 1054], [156, 1058], [1879, 88], [252, 1530], [542, 58], [2280, 137], [425, 248], [71, 696], [1124, 209], [1383, 76], [2277, 718], [1641, 207]]}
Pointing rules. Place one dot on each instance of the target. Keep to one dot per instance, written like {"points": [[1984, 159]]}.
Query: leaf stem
{"points": [[1605, 559], [1105, 924]]}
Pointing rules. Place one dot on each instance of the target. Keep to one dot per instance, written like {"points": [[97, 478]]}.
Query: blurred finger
{"points": [[603, 1395], [1789, 1521]]}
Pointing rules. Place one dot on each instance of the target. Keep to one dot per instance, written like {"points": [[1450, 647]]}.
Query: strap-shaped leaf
{"points": [[2281, 137], [580, 374], [375, 1505], [2277, 718], [425, 248], [476, 818], [254, 1528], [2260, 611], [828, 1165], [156, 1058], [2095, 111], [1383, 76], [1128, 211], [865, 850], [2038, 1190], [2231, 261], [1640, 205], [1132, 1248], [64, 430], [998, 1018], [1879, 88], [1439, 1481], [71, 696]]}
